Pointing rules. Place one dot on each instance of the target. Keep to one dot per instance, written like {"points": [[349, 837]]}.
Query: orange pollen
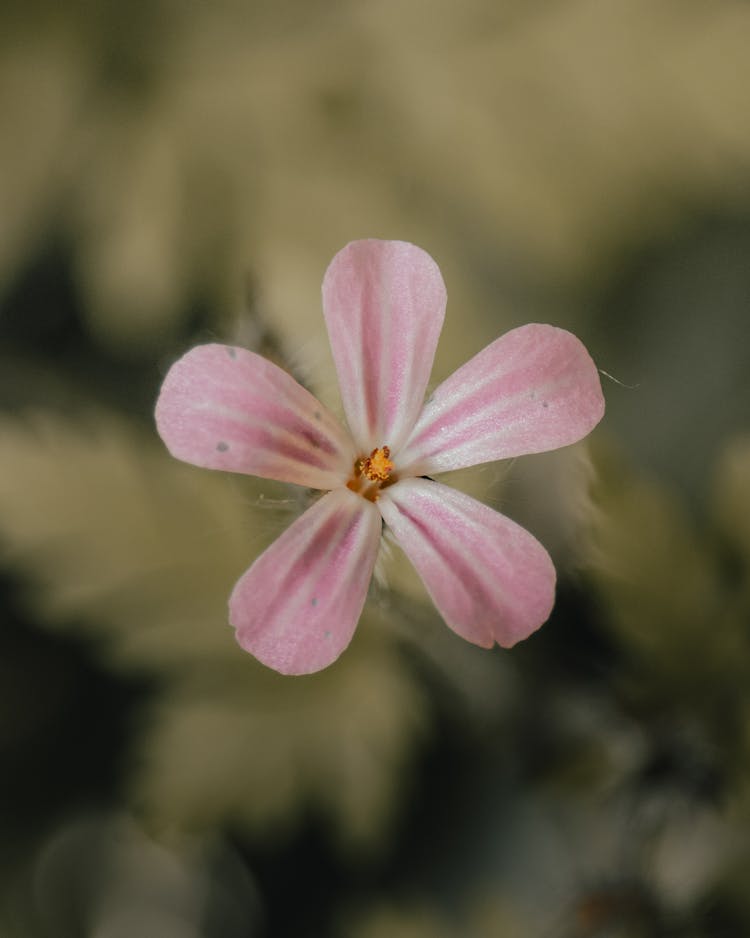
{"points": [[377, 466]]}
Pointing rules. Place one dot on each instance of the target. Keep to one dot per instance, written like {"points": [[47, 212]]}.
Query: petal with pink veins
{"points": [[223, 407], [384, 304], [534, 389], [491, 580], [297, 606]]}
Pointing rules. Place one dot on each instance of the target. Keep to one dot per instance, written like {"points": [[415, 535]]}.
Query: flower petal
{"points": [[491, 580], [222, 407], [297, 607], [384, 304], [534, 389]]}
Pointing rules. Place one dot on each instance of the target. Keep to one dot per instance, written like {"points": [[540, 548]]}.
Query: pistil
{"points": [[371, 473]]}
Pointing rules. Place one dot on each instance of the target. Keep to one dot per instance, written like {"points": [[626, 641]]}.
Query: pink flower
{"points": [[531, 390]]}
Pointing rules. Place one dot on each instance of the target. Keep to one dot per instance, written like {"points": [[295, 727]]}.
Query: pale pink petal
{"points": [[534, 389], [223, 407], [491, 580], [384, 304], [297, 607]]}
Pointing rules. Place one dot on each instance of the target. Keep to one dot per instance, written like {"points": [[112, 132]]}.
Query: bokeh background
{"points": [[176, 172]]}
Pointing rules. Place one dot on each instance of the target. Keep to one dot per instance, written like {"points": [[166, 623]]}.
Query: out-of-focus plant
{"points": [[575, 867], [674, 588], [176, 142], [96, 517], [102, 875]]}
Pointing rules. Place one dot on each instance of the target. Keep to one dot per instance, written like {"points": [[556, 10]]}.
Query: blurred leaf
{"points": [[405, 921], [101, 875], [646, 547], [663, 587], [677, 607], [731, 504], [139, 547], [250, 747], [118, 538], [525, 141]]}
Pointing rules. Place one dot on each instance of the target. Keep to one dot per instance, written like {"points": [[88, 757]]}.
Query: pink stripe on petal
{"points": [[222, 407], [491, 580], [297, 606], [534, 389], [384, 304]]}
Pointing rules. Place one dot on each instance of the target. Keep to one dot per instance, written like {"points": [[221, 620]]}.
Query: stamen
{"points": [[371, 473], [377, 467]]}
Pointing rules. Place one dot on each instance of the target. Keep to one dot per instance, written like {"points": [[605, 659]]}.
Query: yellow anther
{"points": [[377, 467]]}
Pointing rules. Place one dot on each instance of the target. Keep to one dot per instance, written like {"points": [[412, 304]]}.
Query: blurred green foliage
{"points": [[177, 172]]}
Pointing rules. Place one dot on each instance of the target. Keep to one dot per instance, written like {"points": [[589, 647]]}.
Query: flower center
{"points": [[378, 466], [371, 473]]}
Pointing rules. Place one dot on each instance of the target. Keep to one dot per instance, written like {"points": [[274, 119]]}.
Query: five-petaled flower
{"points": [[533, 389]]}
